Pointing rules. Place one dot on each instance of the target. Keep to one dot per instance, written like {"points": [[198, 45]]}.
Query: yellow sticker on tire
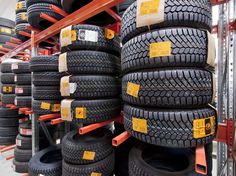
{"points": [[203, 127], [160, 49], [80, 113], [96, 174], [149, 7], [56, 107], [7, 89], [133, 89], [19, 5], [139, 125], [89, 155], [45, 105]]}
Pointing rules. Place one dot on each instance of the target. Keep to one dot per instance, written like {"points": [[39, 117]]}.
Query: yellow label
{"points": [[160, 49], [65, 112], [88, 155], [56, 107], [149, 7], [203, 127], [19, 5], [6, 30], [65, 84], [133, 89], [140, 125], [45, 105], [73, 35], [96, 174], [1, 46], [23, 16], [7, 89], [80, 113], [65, 33], [109, 34]]}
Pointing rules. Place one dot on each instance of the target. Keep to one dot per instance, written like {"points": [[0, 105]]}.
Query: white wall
{"points": [[7, 9]]}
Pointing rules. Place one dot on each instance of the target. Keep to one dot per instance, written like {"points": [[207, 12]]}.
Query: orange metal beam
{"points": [[114, 15], [47, 17], [56, 121], [7, 148], [15, 40], [120, 138], [10, 157], [12, 44], [5, 49], [25, 33], [49, 117], [200, 160], [218, 2], [58, 10]]}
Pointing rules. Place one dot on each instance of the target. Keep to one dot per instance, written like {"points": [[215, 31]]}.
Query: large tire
{"points": [[46, 93], [169, 128], [196, 14], [96, 110], [6, 67], [102, 44], [38, 109], [21, 18], [104, 167], [34, 18], [85, 149], [8, 99], [6, 112], [189, 48], [22, 155], [47, 78], [7, 23], [7, 140], [177, 88], [8, 88], [92, 62], [23, 90], [44, 63], [24, 142], [23, 79], [23, 102], [91, 86], [9, 122], [7, 78], [21, 67], [20, 167], [32, 2], [46, 162]]}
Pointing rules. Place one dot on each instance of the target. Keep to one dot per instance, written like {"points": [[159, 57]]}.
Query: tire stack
{"points": [[22, 80], [91, 91], [167, 83]]}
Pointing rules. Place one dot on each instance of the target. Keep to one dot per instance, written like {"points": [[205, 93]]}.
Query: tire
{"points": [[8, 131], [123, 6], [6, 112], [104, 167], [8, 88], [20, 18], [189, 48], [36, 107], [22, 155], [169, 128], [32, 2], [23, 79], [21, 67], [7, 31], [20, 167], [25, 129], [7, 140], [7, 78], [8, 99], [22, 27], [86, 86], [111, 46], [5, 38], [46, 162], [7, 23], [46, 93], [9, 122], [23, 90], [6, 67], [34, 18], [22, 9], [177, 88], [23, 142], [96, 110], [44, 63], [193, 14], [23, 102], [75, 147], [47, 78], [92, 62]]}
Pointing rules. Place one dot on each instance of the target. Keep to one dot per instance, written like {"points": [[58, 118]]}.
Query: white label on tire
{"points": [[65, 36], [15, 101], [63, 62], [73, 87], [18, 142], [15, 78], [14, 167], [88, 35], [14, 66], [25, 131], [19, 90]]}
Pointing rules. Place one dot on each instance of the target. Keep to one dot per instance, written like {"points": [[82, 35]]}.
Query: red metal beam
{"points": [[200, 160], [48, 18], [118, 140], [12, 44], [58, 10], [56, 121], [218, 2], [49, 117]]}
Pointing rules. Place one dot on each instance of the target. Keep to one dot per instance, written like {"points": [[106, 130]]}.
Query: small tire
{"points": [[8, 131], [8, 113], [21, 18], [20, 167], [9, 122], [8, 98], [24, 142], [46, 93], [44, 63], [23, 79], [22, 7], [22, 155], [7, 140], [23, 102], [7, 78], [47, 78], [32, 2], [21, 67], [6, 67], [23, 90], [7, 23]]}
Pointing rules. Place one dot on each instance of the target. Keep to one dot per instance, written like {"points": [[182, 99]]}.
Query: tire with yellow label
{"points": [[8, 88], [7, 23], [21, 18], [43, 107], [180, 128], [195, 14], [46, 93], [20, 6], [77, 150], [169, 88]]}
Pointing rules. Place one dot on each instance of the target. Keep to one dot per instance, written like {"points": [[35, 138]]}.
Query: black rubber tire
{"points": [[9, 122], [47, 78], [47, 162], [23, 90], [8, 131], [7, 140], [91, 86], [8, 86], [177, 88], [124, 5], [6, 112], [111, 46], [23, 79], [5, 38], [8, 98], [96, 110], [19, 19], [32, 2], [169, 128], [7, 31], [24, 142], [44, 63], [34, 18], [6, 67], [196, 14], [22, 155], [20, 167], [92, 62], [75, 146], [22, 67], [7, 78], [36, 107], [22, 27], [104, 167], [23, 102], [46, 93], [7, 23], [23, 9], [5, 46], [189, 48]]}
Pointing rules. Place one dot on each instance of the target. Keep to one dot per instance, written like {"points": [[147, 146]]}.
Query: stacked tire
{"points": [[92, 89], [168, 82], [22, 80]]}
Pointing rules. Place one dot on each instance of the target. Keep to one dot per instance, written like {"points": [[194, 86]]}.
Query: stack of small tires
{"points": [[22, 80], [168, 84], [91, 90]]}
